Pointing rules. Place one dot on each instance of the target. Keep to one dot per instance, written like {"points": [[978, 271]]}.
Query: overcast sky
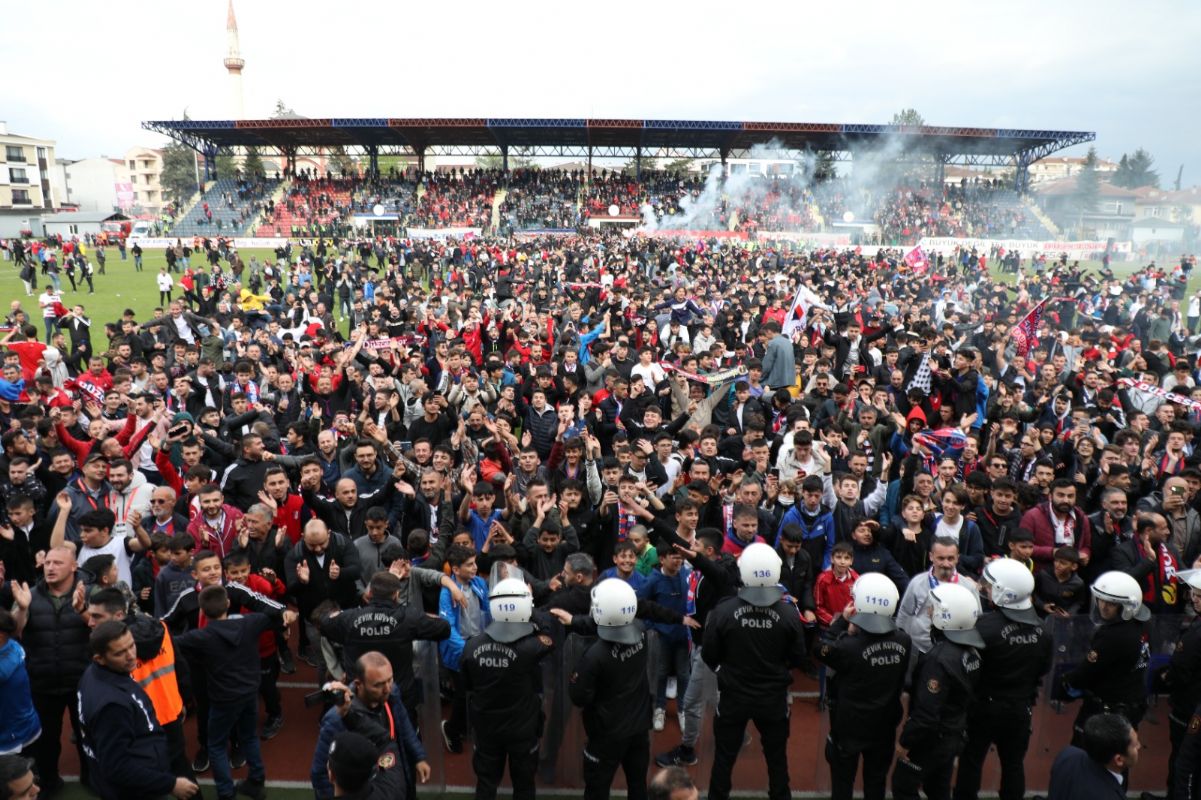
{"points": [[87, 73]]}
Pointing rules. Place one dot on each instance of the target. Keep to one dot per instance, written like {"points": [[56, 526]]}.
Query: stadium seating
{"points": [[228, 208]]}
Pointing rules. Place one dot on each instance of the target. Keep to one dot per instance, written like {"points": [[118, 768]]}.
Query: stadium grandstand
{"points": [[298, 202]]}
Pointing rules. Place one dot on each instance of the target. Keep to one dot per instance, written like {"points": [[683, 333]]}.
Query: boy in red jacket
{"points": [[832, 591], [237, 570]]}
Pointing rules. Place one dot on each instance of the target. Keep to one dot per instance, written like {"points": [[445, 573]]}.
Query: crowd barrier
{"points": [[563, 740]]}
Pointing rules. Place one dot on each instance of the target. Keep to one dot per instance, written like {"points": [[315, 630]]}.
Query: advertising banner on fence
{"points": [[835, 239], [1027, 247], [162, 242], [738, 235]]}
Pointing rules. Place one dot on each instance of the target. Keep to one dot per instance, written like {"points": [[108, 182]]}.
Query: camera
{"points": [[328, 697]]}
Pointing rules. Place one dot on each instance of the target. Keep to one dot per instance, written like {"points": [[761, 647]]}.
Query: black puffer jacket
{"points": [[55, 642]]}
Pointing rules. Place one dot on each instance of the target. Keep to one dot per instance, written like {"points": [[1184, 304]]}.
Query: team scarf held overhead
{"points": [[940, 444]]}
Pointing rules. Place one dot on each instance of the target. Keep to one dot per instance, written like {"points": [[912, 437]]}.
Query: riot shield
{"points": [[429, 718]]}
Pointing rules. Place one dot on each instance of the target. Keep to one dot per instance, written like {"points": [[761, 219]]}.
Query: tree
{"points": [[341, 162], [227, 166], [908, 116], [1088, 185], [179, 172], [824, 167], [253, 163], [1136, 170]]}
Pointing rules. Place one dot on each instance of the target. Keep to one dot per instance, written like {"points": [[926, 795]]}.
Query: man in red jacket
{"points": [[1058, 522]]}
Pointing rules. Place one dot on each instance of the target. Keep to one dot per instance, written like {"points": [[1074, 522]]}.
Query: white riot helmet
{"points": [[954, 612], [759, 566], [1010, 584], [614, 606], [876, 599], [511, 606], [1123, 590]]}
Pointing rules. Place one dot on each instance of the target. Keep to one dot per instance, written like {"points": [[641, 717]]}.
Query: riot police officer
{"points": [[501, 670], [1184, 675], [869, 657], [944, 685], [1017, 653], [1113, 676], [751, 641], [612, 687]]}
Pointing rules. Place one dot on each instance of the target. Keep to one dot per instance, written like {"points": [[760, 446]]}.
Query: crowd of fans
{"points": [[583, 409], [981, 210]]}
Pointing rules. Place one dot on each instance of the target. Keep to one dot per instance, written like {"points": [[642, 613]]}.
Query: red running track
{"points": [[289, 754]]}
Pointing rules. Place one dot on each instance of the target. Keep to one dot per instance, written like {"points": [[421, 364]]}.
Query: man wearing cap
{"points": [[502, 674], [869, 657], [752, 641]]}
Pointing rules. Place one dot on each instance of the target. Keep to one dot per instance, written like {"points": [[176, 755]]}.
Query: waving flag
{"points": [[805, 299], [1025, 333], [916, 260], [940, 444]]}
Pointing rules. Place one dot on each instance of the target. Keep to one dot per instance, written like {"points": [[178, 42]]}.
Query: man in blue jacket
{"points": [[372, 693], [121, 736]]}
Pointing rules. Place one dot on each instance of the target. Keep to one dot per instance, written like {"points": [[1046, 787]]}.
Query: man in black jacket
{"points": [[386, 626], [869, 657], [55, 638], [228, 651], [502, 674], [752, 641], [121, 737], [1017, 653], [322, 566]]}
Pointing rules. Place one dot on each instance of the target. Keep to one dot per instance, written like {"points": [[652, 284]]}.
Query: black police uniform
{"points": [[122, 738], [387, 781], [613, 689], [501, 672], [944, 685], [1113, 675], [865, 704], [752, 649], [1017, 653], [390, 629], [1184, 684]]}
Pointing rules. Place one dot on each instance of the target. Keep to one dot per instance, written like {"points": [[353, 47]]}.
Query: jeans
{"points": [[225, 719], [672, 658], [701, 691]]}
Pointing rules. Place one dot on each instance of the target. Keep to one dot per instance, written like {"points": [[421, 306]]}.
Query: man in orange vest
{"points": [[155, 671]]}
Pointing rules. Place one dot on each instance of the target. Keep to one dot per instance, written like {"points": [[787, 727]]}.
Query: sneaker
{"points": [[287, 665], [681, 756], [671, 688], [309, 656], [660, 718], [237, 759], [252, 789], [271, 727], [455, 744], [201, 762]]}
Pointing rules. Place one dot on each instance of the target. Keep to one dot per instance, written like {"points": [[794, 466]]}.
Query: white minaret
{"points": [[234, 63]]}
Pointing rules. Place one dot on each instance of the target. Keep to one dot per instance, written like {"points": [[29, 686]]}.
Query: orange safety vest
{"points": [[156, 676]]}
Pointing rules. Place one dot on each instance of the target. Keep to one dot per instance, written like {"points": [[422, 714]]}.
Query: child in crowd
{"points": [[648, 556], [237, 570], [833, 589], [176, 575], [625, 565], [146, 568], [668, 587], [1058, 589], [464, 623]]}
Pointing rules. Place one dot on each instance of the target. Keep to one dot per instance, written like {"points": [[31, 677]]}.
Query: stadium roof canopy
{"points": [[618, 138]]}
